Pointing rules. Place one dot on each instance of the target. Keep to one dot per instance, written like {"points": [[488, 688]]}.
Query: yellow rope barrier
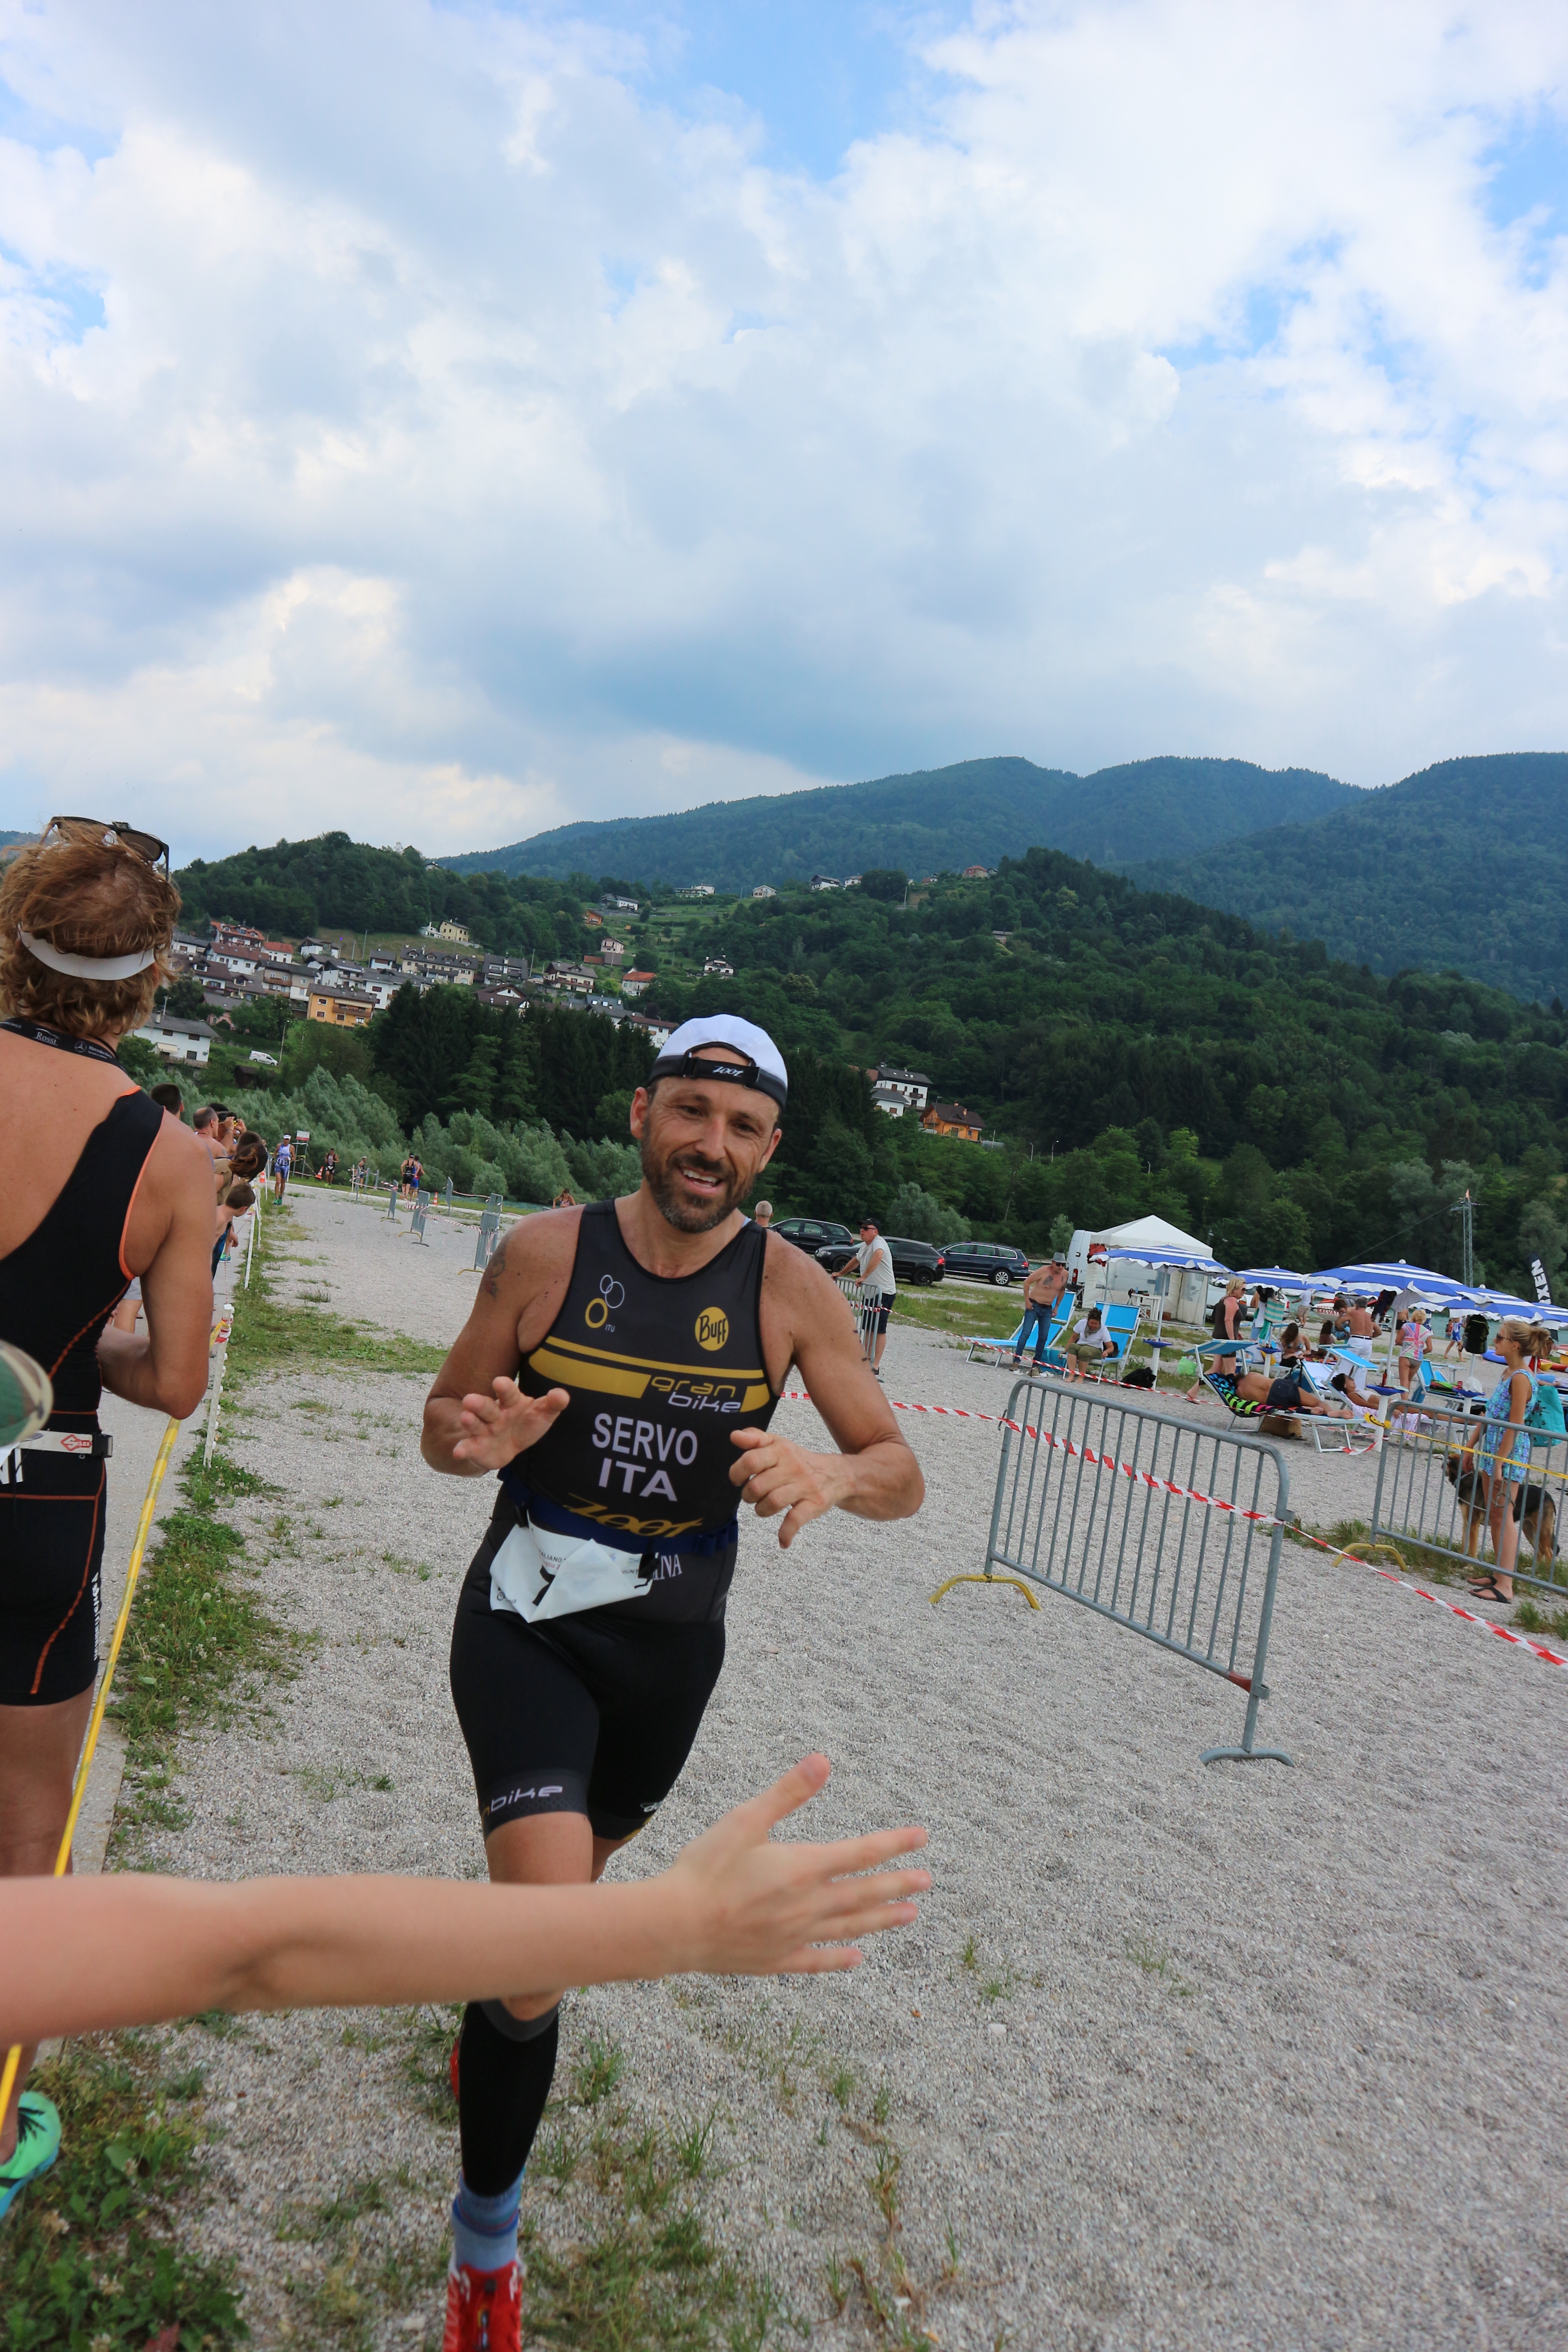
{"points": [[95, 1721]]}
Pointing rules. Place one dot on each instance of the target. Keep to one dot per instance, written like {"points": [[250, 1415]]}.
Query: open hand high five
{"points": [[498, 1428], [759, 1908]]}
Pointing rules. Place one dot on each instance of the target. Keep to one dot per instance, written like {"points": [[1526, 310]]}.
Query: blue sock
{"points": [[484, 2229]]}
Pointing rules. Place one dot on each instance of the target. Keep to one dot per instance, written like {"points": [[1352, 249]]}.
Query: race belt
{"points": [[92, 1445]]}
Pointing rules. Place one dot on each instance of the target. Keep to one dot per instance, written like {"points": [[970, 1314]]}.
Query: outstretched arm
{"points": [[477, 1419], [874, 1475], [77, 1954]]}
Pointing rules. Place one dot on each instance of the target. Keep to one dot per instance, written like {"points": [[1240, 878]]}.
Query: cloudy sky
{"points": [[445, 420]]}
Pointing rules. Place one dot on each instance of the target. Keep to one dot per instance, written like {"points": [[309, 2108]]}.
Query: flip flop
{"points": [[1486, 1590]]}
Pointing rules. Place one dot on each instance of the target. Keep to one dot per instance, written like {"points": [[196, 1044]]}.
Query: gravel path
{"points": [[1233, 2057]]}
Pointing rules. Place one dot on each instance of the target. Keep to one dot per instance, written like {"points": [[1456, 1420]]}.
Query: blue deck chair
{"points": [[1118, 1323], [1008, 1348]]}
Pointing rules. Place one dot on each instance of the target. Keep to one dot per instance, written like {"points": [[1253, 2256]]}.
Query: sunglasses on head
{"points": [[117, 834]]}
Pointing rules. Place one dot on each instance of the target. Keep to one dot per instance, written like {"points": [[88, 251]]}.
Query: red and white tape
{"points": [[1217, 1503]]}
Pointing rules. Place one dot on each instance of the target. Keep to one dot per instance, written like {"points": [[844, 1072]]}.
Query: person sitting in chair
{"points": [[1089, 1345]]}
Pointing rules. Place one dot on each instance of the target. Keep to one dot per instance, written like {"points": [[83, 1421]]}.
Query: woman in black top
{"points": [[97, 1184]]}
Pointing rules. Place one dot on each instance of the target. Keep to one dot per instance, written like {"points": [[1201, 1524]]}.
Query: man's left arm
{"points": [[873, 1474]]}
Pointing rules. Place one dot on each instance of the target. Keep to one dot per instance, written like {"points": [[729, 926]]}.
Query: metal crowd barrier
{"points": [[1432, 1490], [422, 1201], [865, 1305], [1167, 1528], [489, 1232]]}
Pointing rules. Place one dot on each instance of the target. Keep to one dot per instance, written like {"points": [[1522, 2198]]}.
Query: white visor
{"points": [[77, 967], [744, 1037]]}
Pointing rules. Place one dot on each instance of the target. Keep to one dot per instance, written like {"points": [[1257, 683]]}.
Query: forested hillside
{"points": [[1299, 1109], [940, 818], [299, 887], [1148, 1053], [1464, 864]]}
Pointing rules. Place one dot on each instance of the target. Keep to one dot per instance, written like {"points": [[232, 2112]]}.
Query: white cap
{"points": [[744, 1038]]}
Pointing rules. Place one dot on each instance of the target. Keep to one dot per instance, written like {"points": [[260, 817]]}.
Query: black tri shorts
{"points": [[52, 1567], [595, 1713]]}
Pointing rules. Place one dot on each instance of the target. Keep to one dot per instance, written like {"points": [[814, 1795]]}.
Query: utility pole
{"points": [[1464, 1210]]}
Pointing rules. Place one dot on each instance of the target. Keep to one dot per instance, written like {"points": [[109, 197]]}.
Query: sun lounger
{"points": [[1005, 1349], [1326, 1434]]}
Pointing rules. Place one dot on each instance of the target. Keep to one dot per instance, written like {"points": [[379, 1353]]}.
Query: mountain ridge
{"points": [[973, 812], [1463, 865]]}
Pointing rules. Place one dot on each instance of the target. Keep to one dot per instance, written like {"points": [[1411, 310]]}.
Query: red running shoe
{"points": [[484, 2310]]}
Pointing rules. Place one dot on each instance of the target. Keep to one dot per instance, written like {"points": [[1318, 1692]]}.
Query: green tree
{"points": [[187, 999]]}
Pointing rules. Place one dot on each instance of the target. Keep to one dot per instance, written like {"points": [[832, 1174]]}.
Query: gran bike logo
{"points": [[712, 1328], [598, 1311]]}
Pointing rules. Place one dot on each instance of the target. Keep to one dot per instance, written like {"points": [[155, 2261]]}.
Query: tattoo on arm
{"points": [[497, 1268]]}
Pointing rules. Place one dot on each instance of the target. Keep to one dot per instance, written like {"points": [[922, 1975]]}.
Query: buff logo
{"points": [[712, 1328]]}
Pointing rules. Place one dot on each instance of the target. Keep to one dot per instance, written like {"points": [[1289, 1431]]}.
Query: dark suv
{"points": [[915, 1263], [814, 1234], [996, 1262]]}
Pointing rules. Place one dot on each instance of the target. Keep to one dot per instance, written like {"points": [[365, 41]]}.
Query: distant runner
{"points": [[619, 1369], [282, 1162]]}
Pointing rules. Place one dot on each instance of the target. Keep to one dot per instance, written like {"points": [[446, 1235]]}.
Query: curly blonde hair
{"points": [[87, 898]]}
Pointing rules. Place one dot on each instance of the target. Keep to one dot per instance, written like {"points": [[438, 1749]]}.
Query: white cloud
{"points": [[406, 425]]}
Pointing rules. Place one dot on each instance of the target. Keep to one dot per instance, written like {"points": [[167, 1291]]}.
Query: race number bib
{"points": [[537, 1573]]}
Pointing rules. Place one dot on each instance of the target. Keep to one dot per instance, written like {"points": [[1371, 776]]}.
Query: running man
{"points": [[282, 1161], [619, 1369]]}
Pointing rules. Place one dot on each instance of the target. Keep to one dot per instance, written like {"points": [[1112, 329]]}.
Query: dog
{"points": [[1534, 1507]]}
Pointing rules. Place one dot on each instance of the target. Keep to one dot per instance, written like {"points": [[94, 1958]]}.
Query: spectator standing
{"points": [[97, 1183], [563, 1199], [1504, 1454], [169, 1097], [237, 1199], [1042, 1291], [1226, 1325], [874, 1265], [762, 1214], [1360, 1320]]}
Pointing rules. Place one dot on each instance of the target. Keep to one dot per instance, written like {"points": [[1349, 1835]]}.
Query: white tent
{"points": [[1185, 1294]]}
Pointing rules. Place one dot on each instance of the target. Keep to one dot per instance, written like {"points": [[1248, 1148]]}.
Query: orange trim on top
{"points": [[129, 1271]]}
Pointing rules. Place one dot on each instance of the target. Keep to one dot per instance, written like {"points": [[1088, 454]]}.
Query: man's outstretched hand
{"points": [[774, 1476], [748, 1907], [498, 1428]]}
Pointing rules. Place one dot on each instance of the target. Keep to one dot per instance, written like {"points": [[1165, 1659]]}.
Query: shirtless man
{"points": [[1041, 1291], [620, 1371]]}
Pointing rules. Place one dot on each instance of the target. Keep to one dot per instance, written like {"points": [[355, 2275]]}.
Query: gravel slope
{"points": [[1245, 2057]]}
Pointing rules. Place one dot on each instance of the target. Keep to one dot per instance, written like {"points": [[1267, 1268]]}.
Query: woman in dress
{"points": [[1504, 1454]]}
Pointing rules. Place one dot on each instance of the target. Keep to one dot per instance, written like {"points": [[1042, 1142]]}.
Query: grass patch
{"points": [[90, 2255], [200, 1639], [1530, 1619], [1155, 1961], [641, 2269], [963, 1308], [1391, 1551]]}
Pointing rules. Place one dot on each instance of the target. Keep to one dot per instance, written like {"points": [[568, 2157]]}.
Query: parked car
{"points": [[815, 1234], [987, 1262], [916, 1262]]}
